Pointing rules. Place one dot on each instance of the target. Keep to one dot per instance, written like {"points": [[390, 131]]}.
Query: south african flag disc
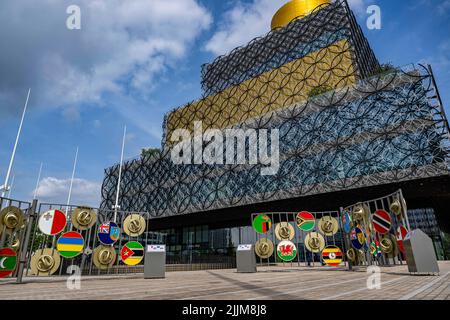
{"points": [[70, 244], [132, 253], [8, 262], [306, 221], [332, 256], [262, 223], [375, 249]]}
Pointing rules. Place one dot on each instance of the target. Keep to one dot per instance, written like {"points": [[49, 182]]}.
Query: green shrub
{"points": [[319, 90], [383, 69], [149, 152]]}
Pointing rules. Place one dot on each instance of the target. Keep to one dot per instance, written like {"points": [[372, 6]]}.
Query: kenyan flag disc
{"points": [[332, 256], [262, 223], [306, 221], [286, 251], [70, 244], [132, 253], [8, 262]]}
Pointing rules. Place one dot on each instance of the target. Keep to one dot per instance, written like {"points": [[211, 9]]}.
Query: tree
{"points": [[148, 152]]}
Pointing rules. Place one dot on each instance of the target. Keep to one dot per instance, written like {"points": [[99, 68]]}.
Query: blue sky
{"points": [[133, 61]]}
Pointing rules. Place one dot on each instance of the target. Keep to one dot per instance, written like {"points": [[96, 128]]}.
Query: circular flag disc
{"points": [[347, 221], [104, 257], [8, 262], [382, 221], [83, 218], [314, 242], [132, 253], [52, 222], [328, 226], [332, 256], [306, 221], [134, 225], [264, 248], [375, 249], [45, 262], [70, 244], [284, 231], [286, 251], [11, 218], [401, 233], [262, 223], [108, 233], [357, 238]]}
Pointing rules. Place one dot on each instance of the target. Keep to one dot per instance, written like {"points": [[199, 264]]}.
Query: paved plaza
{"points": [[267, 284]]}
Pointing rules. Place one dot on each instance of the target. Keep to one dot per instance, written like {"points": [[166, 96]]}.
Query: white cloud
{"points": [[444, 6], [56, 190], [242, 23], [121, 47], [245, 22]]}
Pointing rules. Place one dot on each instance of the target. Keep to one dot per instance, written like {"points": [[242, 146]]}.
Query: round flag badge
{"points": [[262, 223], [284, 231], [52, 222], [8, 262], [70, 244], [401, 233], [382, 222], [264, 248], [306, 221], [108, 233], [357, 238], [347, 221], [375, 249], [286, 251], [332, 256], [132, 253]]}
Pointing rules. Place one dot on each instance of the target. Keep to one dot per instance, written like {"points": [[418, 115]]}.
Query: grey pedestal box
{"points": [[155, 262], [419, 252], [245, 259]]}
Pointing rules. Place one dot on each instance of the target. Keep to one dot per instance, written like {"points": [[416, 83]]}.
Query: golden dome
{"points": [[294, 9]]}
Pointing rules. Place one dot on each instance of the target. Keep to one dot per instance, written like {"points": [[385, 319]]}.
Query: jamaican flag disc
{"points": [[332, 256], [286, 251], [8, 262], [132, 253], [262, 223]]}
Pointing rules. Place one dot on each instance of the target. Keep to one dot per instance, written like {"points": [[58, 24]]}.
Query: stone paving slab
{"points": [[296, 283]]}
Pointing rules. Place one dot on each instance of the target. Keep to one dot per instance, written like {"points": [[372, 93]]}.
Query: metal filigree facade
{"points": [[365, 131]]}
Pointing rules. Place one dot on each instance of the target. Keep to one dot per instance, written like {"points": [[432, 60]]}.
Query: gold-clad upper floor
{"points": [[281, 87], [295, 9]]}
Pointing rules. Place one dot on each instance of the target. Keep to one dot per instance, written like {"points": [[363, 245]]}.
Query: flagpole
{"points": [[71, 181], [116, 206], [5, 187], [11, 187], [37, 183]]}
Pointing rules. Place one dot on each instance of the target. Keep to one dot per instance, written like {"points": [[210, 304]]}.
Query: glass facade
{"points": [[425, 220]]}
